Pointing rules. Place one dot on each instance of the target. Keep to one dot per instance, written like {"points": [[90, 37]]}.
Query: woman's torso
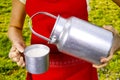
{"points": [[43, 25]]}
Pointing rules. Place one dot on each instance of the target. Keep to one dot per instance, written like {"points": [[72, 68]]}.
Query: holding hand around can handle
{"points": [[115, 47], [16, 54]]}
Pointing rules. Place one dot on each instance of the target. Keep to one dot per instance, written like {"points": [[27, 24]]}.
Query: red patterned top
{"points": [[62, 66]]}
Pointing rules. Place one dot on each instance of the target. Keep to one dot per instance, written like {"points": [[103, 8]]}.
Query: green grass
{"points": [[10, 71], [103, 12]]}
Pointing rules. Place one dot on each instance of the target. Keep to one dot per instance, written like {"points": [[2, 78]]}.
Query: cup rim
{"points": [[35, 46]]}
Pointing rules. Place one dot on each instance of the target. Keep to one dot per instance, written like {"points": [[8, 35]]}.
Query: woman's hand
{"points": [[16, 54], [114, 48]]}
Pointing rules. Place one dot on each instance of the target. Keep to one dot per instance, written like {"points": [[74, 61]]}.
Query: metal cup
{"points": [[37, 58]]}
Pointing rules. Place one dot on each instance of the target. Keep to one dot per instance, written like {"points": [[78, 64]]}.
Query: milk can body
{"points": [[81, 39]]}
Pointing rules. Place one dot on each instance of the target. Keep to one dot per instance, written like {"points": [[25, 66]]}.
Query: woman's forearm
{"points": [[15, 34], [16, 22]]}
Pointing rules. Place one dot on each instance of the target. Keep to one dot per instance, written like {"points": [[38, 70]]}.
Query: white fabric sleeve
{"points": [[23, 1]]}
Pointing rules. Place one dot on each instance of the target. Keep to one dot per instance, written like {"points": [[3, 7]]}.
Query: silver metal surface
{"points": [[36, 64], [58, 28], [39, 35], [81, 39], [84, 40]]}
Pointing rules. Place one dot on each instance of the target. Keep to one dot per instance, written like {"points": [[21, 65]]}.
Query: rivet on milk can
{"points": [[78, 38]]}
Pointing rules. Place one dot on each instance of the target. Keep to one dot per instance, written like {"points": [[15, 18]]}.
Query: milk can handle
{"points": [[35, 33]]}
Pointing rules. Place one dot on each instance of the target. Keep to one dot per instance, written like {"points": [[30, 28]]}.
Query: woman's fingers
{"points": [[16, 59], [21, 62], [110, 28], [17, 56], [14, 53], [100, 66]]}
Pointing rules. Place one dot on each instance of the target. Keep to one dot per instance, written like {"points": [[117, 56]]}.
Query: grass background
{"points": [[103, 12]]}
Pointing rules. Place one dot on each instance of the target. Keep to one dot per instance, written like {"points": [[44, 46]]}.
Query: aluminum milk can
{"points": [[79, 38]]}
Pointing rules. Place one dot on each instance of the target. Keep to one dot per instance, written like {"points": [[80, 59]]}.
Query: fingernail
{"points": [[21, 50]]}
